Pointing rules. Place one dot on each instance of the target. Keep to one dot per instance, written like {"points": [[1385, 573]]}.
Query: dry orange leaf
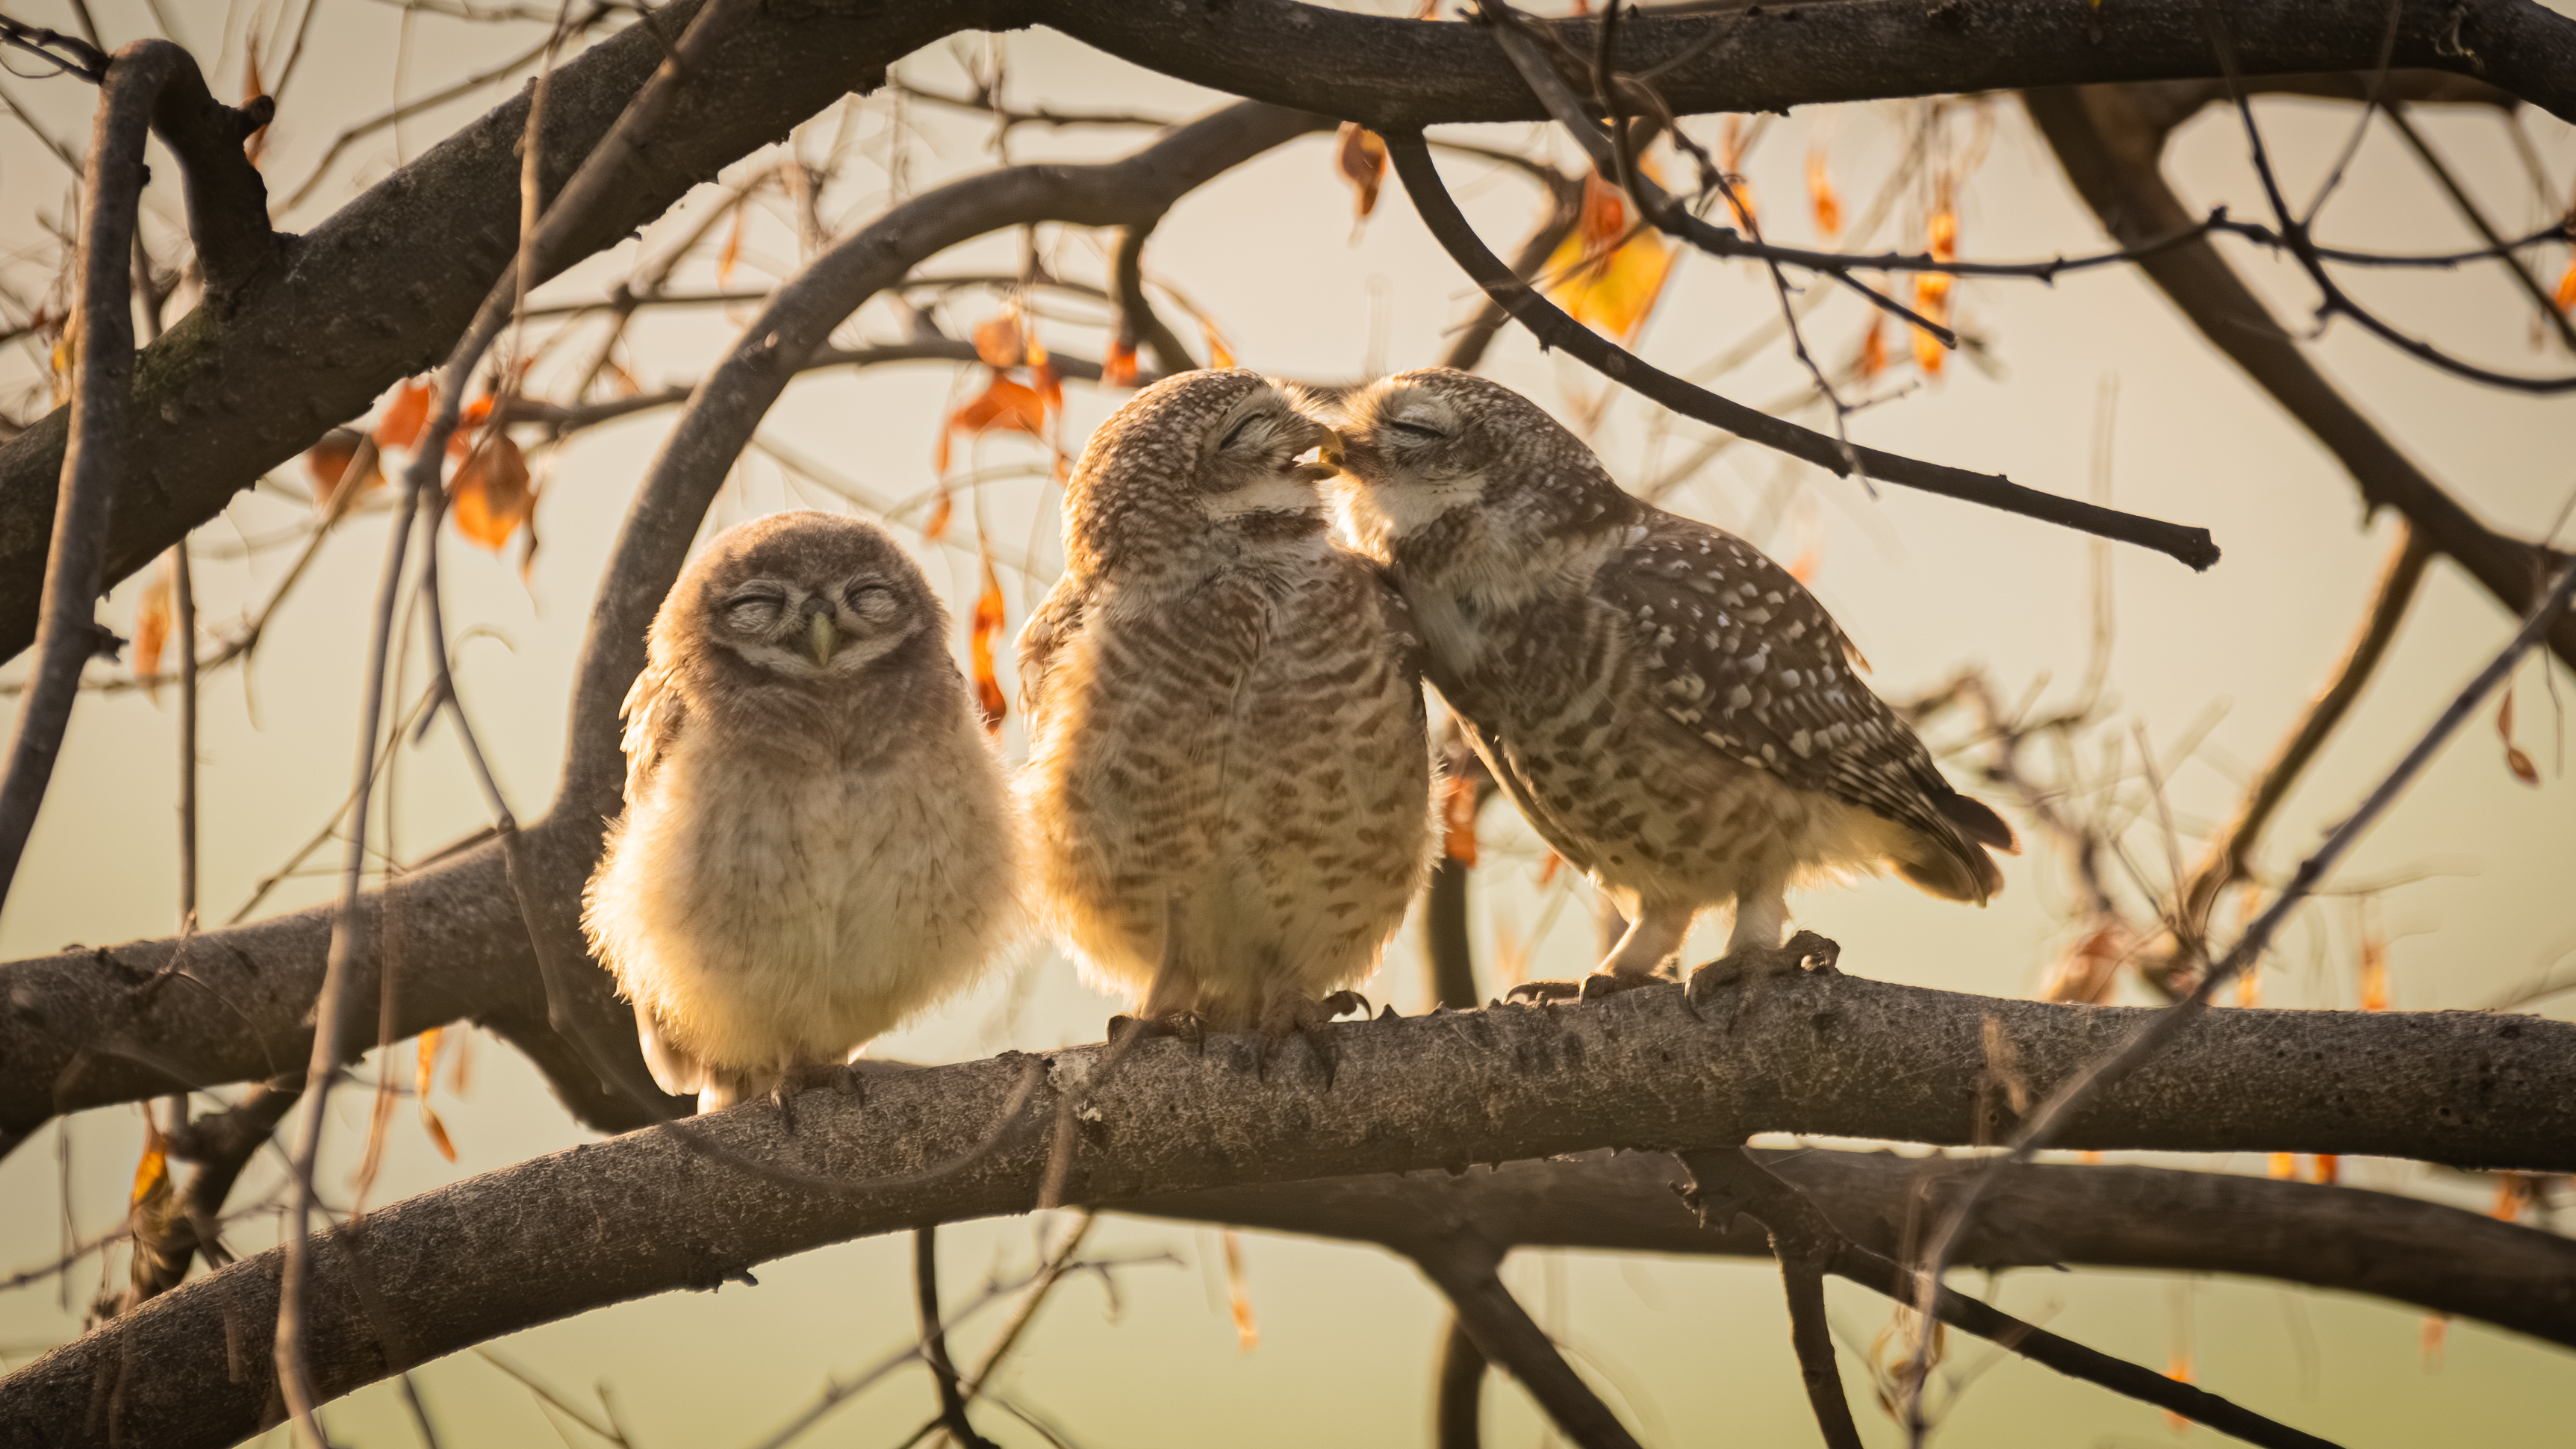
{"points": [[942, 509], [1360, 155], [1118, 369], [2284, 1167], [2374, 971], [1458, 819], [1932, 289], [1220, 352], [732, 252], [152, 1174], [985, 627], [2436, 1331], [1873, 348], [1003, 406], [2514, 759], [489, 495], [2327, 1168], [1238, 1295], [1045, 380], [327, 464], [2567, 288], [1548, 868], [152, 614], [997, 340], [2513, 1191], [421, 1083], [404, 416], [1821, 197], [2178, 1369]]}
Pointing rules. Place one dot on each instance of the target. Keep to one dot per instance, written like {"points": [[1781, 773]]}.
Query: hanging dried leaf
{"points": [[327, 463], [2567, 288], [1804, 567], [1118, 369], [404, 417], [1873, 348], [1548, 866], [1003, 406], [422, 1080], [1220, 352], [1458, 819], [998, 341], [2436, 1332], [1732, 142], [1604, 282], [1821, 197], [489, 495], [942, 508], [2374, 968], [152, 614], [2283, 1167], [982, 630], [2178, 1369], [1238, 1296], [1046, 381], [1360, 155], [1932, 289], [2326, 1168], [152, 1173], [2514, 759], [2513, 1194], [2091, 967]]}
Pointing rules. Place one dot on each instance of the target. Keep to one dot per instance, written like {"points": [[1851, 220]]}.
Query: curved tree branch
{"points": [[1554, 328], [644, 1214], [379, 291], [1461, 1265]]}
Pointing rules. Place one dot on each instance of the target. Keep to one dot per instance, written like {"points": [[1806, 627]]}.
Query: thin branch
{"points": [[2230, 857], [1739, 1185], [1554, 328], [934, 1339], [1458, 1401], [2476, 217], [1138, 325], [1462, 1266], [1564, 211], [2106, 1072]]}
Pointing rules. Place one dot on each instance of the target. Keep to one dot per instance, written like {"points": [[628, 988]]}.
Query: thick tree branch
{"points": [[1139, 325], [2110, 139], [1553, 328], [645, 1213], [378, 291]]}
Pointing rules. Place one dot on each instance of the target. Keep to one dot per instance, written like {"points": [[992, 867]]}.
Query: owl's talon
{"points": [[1290, 1016], [1541, 992], [1755, 964], [1343, 1003], [1602, 984]]}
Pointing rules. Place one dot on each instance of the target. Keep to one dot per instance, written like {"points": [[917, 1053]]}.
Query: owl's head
{"points": [[1445, 459], [804, 599], [1213, 459]]}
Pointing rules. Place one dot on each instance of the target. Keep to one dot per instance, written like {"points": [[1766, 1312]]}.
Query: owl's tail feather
{"points": [[1978, 821], [1951, 865]]}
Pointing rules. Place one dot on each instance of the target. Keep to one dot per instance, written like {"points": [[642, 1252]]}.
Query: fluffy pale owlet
{"points": [[1671, 710], [1229, 780], [818, 840]]}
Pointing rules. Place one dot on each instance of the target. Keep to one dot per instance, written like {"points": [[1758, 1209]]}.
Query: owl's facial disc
{"points": [[1264, 456], [808, 630], [1413, 457]]}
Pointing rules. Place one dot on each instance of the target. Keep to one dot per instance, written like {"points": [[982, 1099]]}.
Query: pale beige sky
{"points": [[1926, 586]]}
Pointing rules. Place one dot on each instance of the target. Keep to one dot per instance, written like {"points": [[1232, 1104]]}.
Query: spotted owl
{"points": [[1672, 711], [1229, 780], [819, 841]]}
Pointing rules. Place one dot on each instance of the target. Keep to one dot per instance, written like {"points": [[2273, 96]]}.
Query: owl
{"points": [[1229, 782], [1672, 711], [819, 840]]}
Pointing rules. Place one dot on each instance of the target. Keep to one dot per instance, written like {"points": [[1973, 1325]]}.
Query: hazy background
{"points": [[2213, 668]]}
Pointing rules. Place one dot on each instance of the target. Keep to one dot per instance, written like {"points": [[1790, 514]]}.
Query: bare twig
{"points": [[934, 1340], [2105, 1072], [1553, 328], [2476, 217], [1459, 1382], [1138, 324], [1462, 1266]]}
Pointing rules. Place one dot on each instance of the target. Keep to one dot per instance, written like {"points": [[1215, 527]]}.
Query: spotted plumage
{"points": [[1671, 710], [1229, 778], [818, 841]]}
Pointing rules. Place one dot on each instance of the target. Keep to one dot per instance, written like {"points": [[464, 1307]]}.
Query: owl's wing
{"points": [[1055, 624], [652, 711], [1739, 652]]}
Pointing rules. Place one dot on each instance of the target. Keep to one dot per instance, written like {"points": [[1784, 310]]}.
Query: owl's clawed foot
{"points": [[1806, 951], [804, 1077], [1591, 988], [1189, 1026], [1298, 1016]]}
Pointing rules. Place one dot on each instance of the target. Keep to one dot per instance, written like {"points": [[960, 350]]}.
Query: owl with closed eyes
{"points": [[819, 841], [1229, 782], [1672, 711]]}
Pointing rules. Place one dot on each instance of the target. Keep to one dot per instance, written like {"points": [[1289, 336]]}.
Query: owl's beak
{"points": [[822, 638], [1328, 457]]}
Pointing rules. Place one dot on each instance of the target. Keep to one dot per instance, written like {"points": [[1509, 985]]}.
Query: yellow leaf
{"points": [[490, 496], [2284, 1166], [1604, 283], [152, 1174], [2567, 288], [997, 341]]}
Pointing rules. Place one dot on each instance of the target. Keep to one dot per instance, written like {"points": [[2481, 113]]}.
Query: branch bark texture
{"points": [[609, 1221], [380, 290]]}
